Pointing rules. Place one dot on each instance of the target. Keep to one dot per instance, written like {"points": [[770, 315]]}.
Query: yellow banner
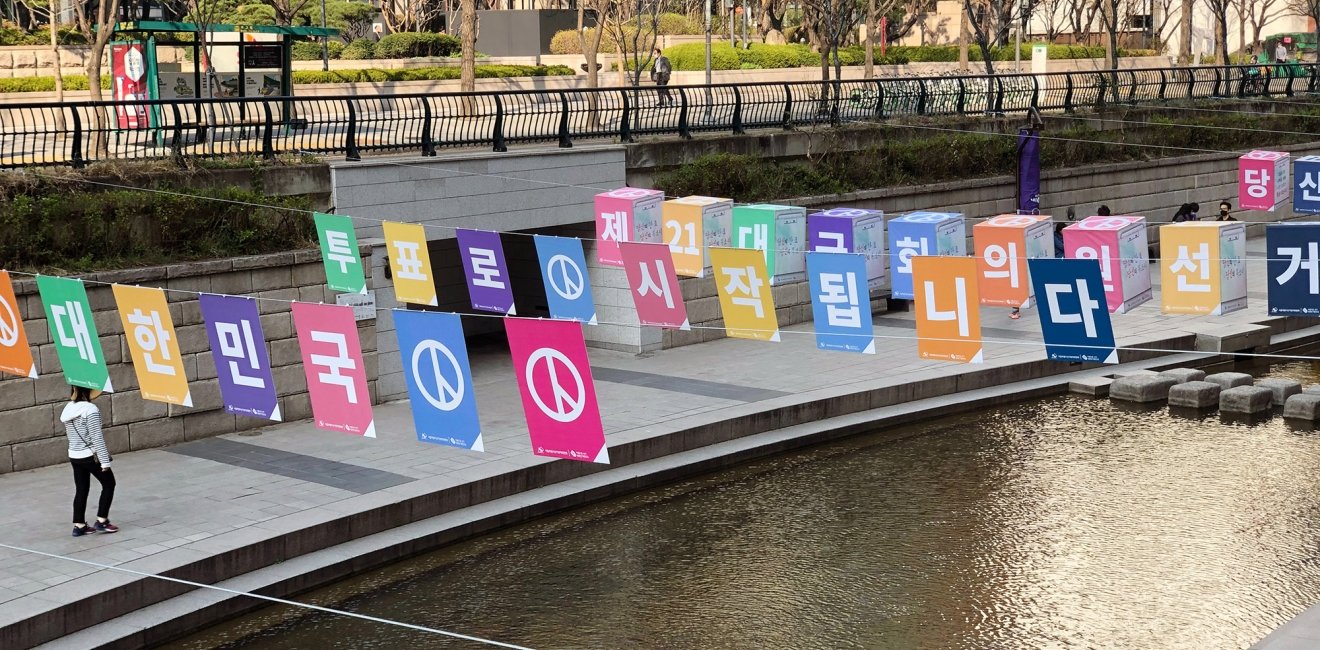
{"points": [[1195, 259], [948, 312], [745, 297], [153, 344], [411, 263], [683, 231]]}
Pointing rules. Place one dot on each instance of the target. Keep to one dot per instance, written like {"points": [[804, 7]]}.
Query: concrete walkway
{"points": [[211, 501]]}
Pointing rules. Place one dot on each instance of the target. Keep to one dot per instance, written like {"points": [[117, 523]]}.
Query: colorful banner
{"points": [[128, 77], [1003, 245], [1293, 253], [332, 361], [840, 304], [339, 254], [1263, 180], [684, 232], [1306, 185], [564, 274], [558, 394], [851, 230], [1074, 319], [440, 389], [780, 231], [153, 344], [1202, 270], [1028, 176], [922, 233], [745, 297], [410, 261], [654, 285], [15, 353], [73, 332], [948, 319], [1118, 243], [626, 214], [486, 272], [242, 365]]}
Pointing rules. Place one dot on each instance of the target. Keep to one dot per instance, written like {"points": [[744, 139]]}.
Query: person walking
{"points": [[660, 71], [89, 457], [1280, 53]]}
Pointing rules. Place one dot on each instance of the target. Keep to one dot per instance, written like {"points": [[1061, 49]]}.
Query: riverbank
{"points": [[291, 508]]}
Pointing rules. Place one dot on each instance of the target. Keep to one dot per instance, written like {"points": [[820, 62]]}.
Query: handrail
{"points": [[421, 123]]}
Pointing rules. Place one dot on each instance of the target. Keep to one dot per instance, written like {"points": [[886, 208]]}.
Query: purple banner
{"points": [[241, 363], [487, 274], [829, 234], [1028, 171]]}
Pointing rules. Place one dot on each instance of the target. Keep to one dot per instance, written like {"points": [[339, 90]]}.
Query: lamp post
{"points": [[325, 43], [708, 79]]}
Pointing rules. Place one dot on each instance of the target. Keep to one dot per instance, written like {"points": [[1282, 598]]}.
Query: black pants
{"points": [[662, 91], [83, 471]]}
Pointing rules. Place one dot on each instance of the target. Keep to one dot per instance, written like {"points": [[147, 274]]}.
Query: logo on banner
{"points": [[558, 395], [1074, 317], [650, 270], [948, 319], [339, 254], [72, 330], [443, 403], [242, 365], [745, 298], [485, 270], [410, 261], [153, 344], [564, 274], [15, 354], [332, 361], [840, 303], [1294, 268]]}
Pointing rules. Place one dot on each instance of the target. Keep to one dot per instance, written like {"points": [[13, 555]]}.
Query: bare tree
{"points": [[1110, 19], [98, 29], [1161, 14], [409, 15], [1185, 28], [1219, 11], [1308, 9], [286, 10], [978, 17], [1053, 23], [771, 24], [1258, 14], [1081, 16], [634, 28], [469, 27], [590, 41]]}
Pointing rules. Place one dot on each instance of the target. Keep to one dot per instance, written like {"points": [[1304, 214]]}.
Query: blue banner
{"points": [[564, 273], [1074, 316], [840, 302], [1306, 185], [908, 238], [1293, 249], [440, 390], [1028, 180]]}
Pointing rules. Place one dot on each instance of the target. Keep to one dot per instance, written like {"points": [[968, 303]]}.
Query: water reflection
{"points": [[1064, 522]]}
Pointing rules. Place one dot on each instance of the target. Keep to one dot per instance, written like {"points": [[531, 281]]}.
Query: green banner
{"points": [[339, 253], [73, 331], [754, 227]]}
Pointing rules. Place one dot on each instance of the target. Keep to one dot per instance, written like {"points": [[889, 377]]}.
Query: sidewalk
{"points": [[215, 497]]}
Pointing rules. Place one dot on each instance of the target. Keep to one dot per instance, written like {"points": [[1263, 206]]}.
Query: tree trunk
{"points": [[1242, 26], [1185, 28], [590, 48], [963, 41], [1223, 36], [59, 63], [869, 69], [468, 75]]}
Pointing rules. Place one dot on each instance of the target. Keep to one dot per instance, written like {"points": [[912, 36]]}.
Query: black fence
{"points": [[78, 133]]}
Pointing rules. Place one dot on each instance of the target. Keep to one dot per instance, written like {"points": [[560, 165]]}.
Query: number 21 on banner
{"points": [[682, 231]]}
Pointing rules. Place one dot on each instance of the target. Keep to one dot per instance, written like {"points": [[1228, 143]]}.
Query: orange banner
{"points": [[683, 232], [15, 355], [1003, 244], [948, 316], [153, 344]]}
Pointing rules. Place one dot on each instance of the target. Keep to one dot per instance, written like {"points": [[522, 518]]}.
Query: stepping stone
{"points": [[1229, 379], [1184, 375], [1246, 400], [1283, 388], [1313, 389], [1302, 407], [1093, 386], [1134, 373], [1195, 394], [1141, 388]]}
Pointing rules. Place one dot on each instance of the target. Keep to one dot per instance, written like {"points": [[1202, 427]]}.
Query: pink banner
{"points": [[558, 394], [654, 283], [332, 361]]}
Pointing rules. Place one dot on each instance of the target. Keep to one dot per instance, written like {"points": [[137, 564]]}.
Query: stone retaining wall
{"points": [[33, 436]]}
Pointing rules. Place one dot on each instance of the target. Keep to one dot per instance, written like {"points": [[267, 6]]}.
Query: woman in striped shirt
{"points": [[89, 457]]}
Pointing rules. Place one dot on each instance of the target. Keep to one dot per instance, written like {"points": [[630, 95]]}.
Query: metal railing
{"points": [[78, 133]]}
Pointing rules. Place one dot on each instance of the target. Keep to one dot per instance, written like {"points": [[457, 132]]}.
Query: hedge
{"points": [[362, 48], [404, 45], [426, 74], [692, 57], [47, 84]]}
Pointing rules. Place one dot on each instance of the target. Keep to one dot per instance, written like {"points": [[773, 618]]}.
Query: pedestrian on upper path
{"points": [[89, 457], [660, 71], [1280, 53]]}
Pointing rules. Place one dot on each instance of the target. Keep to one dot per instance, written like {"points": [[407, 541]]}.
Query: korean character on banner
{"points": [[1310, 262], [71, 329], [1102, 256], [1190, 266], [957, 314], [1005, 258], [486, 270], [839, 295], [615, 226], [1257, 181], [744, 287], [335, 364], [409, 260], [152, 337], [238, 346], [909, 247], [656, 282], [1085, 315]]}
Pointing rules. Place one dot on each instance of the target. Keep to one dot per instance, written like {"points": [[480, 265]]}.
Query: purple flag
{"points": [[829, 234], [1028, 177], [487, 274], [241, 363]]}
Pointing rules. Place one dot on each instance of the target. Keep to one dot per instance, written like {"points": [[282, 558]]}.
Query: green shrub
{"points": [[362, 48], [565, 41], [672, 24], [426, 74], [406, 45], [692, 56], [47, 84], [311, 50]]}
